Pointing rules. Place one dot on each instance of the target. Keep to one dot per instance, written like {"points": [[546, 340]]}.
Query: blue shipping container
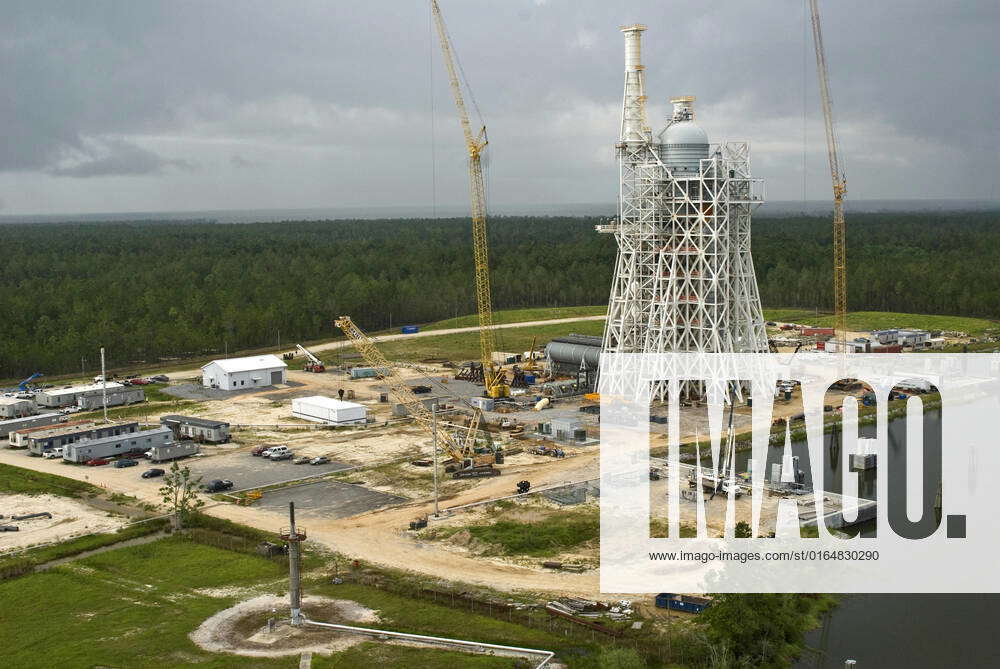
{"points": [[686, 603], [529, 379], [409, 329]]}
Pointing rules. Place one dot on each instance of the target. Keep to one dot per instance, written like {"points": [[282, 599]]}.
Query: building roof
{"points": [[74, 390], [13, 400], [16, 421], [249, 364], [328, 402], [83, 443], [191, 420], [59, 428]]}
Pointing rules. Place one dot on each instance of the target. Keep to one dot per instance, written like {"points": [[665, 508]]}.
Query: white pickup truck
{"points": [[53, 453]]}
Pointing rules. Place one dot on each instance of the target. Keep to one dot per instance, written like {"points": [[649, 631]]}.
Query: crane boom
{"points": [[839, 182], [462, 451], [495, 379], [308, 354]]}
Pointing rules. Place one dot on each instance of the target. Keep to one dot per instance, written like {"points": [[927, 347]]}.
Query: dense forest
{"points": [[150, 290]]}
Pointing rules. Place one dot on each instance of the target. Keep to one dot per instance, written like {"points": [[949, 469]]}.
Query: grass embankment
{"points": [[861, 321], [16, 480]]}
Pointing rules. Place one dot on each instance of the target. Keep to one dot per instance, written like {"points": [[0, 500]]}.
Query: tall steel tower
{"points": [[684, 277]]}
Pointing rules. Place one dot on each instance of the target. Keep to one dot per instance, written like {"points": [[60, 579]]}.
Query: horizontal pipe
{"points": [[547, 655]]}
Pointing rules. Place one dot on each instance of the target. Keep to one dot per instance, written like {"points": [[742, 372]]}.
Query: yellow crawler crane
{"points": [[469, 463], [493, 375], [839, 183]]}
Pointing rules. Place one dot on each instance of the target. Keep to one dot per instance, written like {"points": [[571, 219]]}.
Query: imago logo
{"points": [[762, 473]]}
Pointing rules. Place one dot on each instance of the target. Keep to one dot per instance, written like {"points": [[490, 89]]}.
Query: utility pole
{"points": [[104, 386], [434, 431]]}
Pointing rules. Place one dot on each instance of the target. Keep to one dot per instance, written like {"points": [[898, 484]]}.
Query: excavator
{"points": [[470, 461]]}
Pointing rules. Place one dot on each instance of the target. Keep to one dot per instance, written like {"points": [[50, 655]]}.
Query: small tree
{"points": [[743, 530], [180, 493]]}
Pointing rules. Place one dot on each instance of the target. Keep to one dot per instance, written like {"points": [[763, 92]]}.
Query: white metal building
{"points": [[66, 397], [330, 411], [241, 373]]}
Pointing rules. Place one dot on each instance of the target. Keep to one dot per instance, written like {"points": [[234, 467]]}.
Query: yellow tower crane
{"points": [[461, 450], [839, 184], [493, 375]]}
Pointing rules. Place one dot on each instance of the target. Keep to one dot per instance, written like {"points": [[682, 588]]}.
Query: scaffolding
{"points": [[684, 278]]}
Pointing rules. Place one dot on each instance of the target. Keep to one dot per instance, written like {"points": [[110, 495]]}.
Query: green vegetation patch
{"points": [[520, 316], [861, 321], [540, 538], [29, 482], [465, 345]]}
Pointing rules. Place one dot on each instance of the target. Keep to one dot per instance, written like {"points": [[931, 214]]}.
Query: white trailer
{"points": [[327, 410], [172, 451]]}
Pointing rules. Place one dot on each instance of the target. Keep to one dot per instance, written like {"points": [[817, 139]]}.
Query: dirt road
{"points": [[331, 345]]}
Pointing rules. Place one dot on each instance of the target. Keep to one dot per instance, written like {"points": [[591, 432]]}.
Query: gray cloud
{"points": [[116, 157], [330, 102]]}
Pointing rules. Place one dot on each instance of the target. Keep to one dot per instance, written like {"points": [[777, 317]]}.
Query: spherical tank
{"points": [[684, 144]]}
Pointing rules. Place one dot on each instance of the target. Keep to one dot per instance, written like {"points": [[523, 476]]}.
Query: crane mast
{"points": [[494, 377], [839, 183], [463, 451]]}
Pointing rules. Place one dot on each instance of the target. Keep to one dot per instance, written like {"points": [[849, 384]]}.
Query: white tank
{"points": [[684, 145]]}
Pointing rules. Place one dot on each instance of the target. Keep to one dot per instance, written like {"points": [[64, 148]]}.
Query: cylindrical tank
{"points": [[572, 354], [684, 145]]}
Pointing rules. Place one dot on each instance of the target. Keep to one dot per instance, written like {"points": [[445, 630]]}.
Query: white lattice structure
{"points": [[684, 277]]}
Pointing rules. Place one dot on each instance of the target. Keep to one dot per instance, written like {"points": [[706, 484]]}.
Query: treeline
{"points": [[152, 290]]}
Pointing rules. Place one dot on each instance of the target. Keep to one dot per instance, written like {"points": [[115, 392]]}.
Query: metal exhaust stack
{"points": [[293, 535]]}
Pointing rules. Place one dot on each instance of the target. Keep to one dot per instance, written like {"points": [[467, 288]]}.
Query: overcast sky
{"points": [[174, 105]]}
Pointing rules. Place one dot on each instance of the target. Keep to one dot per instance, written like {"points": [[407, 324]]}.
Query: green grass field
{"points": [[877, 320], [520, 316], [465, 345], [135, 606]]}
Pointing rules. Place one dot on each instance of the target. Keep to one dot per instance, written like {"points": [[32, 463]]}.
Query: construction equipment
{"points": [[531, 366], [839, 183], [313, 364], [494, 378], [463, 451], [24, 386]]}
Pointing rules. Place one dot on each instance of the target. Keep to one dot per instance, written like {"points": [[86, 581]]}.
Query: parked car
{"points": [[275, 450], [160, 378], [69, 410], [218, 485], [53, 453], [97, 462], [121, 463], [319, 460], [141, 382], [301, 460], [281, 455], [153, 473], [259, 450]]}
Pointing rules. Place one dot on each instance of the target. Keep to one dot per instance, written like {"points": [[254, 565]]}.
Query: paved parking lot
{"points": [[247, 471], [327, 499]]}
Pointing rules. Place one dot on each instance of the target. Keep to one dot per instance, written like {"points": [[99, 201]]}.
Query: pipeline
{"points": [[546, 655], [46, 514]]}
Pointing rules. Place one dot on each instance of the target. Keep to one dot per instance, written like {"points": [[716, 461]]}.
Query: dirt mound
{"points": [[242, 629]]}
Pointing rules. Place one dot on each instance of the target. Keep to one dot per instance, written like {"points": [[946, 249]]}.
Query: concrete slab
{"points": [[327, 499]]}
